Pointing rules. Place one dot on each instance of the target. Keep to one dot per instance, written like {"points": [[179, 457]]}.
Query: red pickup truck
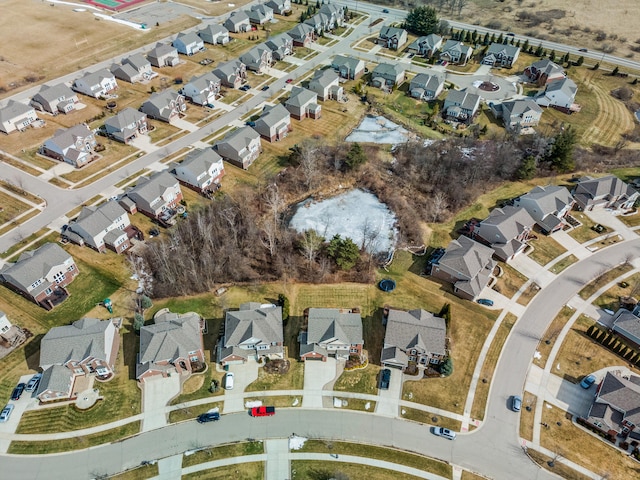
{"points": [[262, 411]]}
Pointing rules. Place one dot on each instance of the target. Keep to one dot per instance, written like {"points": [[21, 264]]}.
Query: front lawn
{"points": [[585, 232], [361, 380], [510, 281], [527, 415], [239, 449], [545, 249], [611, 298], [566, 262], [430, 418], [292, 380]]}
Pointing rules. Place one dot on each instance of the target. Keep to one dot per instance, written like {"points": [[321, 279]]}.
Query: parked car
{"points": [[385, 10], [34, 382], [228, 381], [411, 55], [288, 80], [154, 232], [385, 379], [266, 87], [511, 34], [516, 403], [244, 88], [485, 301], [588, 381], [6, 412], [17, 392], [444, 432], [583, 50], [208, 417], [262, 411], [250, 124]]}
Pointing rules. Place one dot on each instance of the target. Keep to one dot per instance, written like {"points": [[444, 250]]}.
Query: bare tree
{"points": [[309, 164], [439, 205], [270, 236], [310, 244]]}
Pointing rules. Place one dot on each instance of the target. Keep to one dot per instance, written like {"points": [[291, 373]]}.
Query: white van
{"points": [[228, 381]]}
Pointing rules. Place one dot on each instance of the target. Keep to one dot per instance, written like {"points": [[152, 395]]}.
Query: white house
{"points": [[16, 116], [97, 84], [188, 43], [201, 170], [202, 90]]}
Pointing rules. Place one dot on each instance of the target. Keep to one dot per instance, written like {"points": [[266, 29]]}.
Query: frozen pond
{"points": [[356, 214], [378, 130]]}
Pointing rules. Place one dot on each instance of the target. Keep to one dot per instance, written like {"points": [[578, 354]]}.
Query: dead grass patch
{"points": [[429, 418], [527, 415], [550, 336], [611, 298], [604, 278], [545, 249], [566, 262], [510, 281]]}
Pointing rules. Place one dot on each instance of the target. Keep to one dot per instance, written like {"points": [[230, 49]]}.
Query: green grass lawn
{"points": [[584, 233], [510, 281], [361, 380], [292, 380], [566, 262], [545, 249]]}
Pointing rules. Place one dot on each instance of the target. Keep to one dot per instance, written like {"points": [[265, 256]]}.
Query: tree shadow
{"points": [[32, 352]]}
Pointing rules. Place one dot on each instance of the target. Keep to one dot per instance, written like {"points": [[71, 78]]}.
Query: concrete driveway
{"points": [[316, 376], [156, 394], [605, 218], [244, 374], [560, 392], [27, 401], [388, 400]]}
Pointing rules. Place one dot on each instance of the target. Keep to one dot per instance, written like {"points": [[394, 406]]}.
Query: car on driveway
{"points": [[17, 392], [385, 379], [6, 413], [244, 88], [288, 80], [516, 403], [266, 87], [228, 381], [485, 301], [208, 417], [33, 383], [250, 124], [444, 432], [588, 381]]}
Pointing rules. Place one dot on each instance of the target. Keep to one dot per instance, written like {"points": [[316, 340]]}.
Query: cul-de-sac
{"points": [[319, 239]]}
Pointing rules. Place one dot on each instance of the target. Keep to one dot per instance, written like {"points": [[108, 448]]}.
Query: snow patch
{"points": [[378, 130], [296, 442], [537, 355], [253, 403]]}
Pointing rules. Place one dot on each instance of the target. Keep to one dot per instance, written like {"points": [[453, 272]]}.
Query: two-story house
{"points": [[254, 331], [55, 99], [240, 147], [155, 196], [172, 344], [163, 55], [454, 51], [518, 115], [331, 332], [335, 14], [101, 227], [280, 7], [274, 123], [466, 264], [41, 275], [74, 145], [232, 74], [87, 347], [238, 22], [260, 14], [350, 68], [202, 90], [559, 94], [303, 103], [126, 125], [258, 59], [500, 55], [188, 43], [281, 46], [426, 86], [135, 68], [414, 337], [201, 170], [164, 106], [97, 84], [326, 84], [214, 34], [604, 192], [548, 206], [506, 230], [302, 35], [426, 46], [388, 75], [16, 116], [392, 37], [544, 71], [461, 106]]}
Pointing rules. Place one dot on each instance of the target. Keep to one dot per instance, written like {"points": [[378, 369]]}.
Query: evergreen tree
{"points": [[493, 38], [422, 21], [283, 301], [525, 46], [580, 61], [527, 169], [474, 36], [355, 156], [446, 367], [445, 312], [561, 154], [467, 37], [567, 58], [500, 38], [343, 251], [596, 66], [539, 51], [615, 71], [552, 55], [485, 40], [138, 321]]}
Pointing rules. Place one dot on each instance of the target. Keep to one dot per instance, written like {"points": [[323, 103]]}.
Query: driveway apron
{"points": [[316, 375], [157, 392]]}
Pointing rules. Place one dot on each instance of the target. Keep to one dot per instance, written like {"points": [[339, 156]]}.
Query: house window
{"points": [[36, 283], [193, 359], [48, 291], [353, 350], [59, 277], [412, 358], [434, 360], [71, 268]]}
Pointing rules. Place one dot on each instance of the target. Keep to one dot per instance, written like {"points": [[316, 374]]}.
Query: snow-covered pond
{"points": [[356, 214], [378, 130]]}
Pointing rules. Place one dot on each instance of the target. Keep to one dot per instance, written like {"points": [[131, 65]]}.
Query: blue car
{"points": [[485, 301], [209, 417], [588, 381]]}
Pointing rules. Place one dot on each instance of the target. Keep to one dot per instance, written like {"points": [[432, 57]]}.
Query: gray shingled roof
{"points": [[55, 378], [272, 116], [12, 110], [427, 81], [510, 221], [56, 91], [150, 188], [627, 324], [301, 96], [252, 322], [520, 107], [188, 38], [610, 186], [466, 100], [499, 48], [466, 256], [327, 324], [454, 46], [199, 160], [82, 339], [161, 49], [388, 69], [390, 32], [34, 265], [325, 77], [137, 61], [240, 138], [96, 219], [621, 394], [94, 78], [565, 85], [124, 118], [550, 200], [66, 137], [172, 336], [428, 40], [416, 329], [547, 66], [300, 31]]}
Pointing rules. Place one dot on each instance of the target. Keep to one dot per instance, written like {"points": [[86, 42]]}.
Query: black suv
{"points": [[17, 392], [209, 417], [385, 378]]}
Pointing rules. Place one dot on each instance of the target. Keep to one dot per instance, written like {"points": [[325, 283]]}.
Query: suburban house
{"points": [[506, 230], [135, 68], [281, 46], [238, 22], [331, 332], [254, 332], [518, 116], [461, 106], [172, 344], [616, 407], [303, 103], [454, 51], [260, 14], [240, 147], [392, 37], [281, 7], [302, 35], [102, 227], [426, 46], [201, 170], [56, 99], [5, 323], [214, 34], [126, 125], [232, 74], [165, 105], [468, 265], [86, 348], [274, 123], [188, 43], [559, 94], [388, 75], [604, 192], [320, 23], [326, 84], [627, 325], [163, 55], [16, 117], [335, 14], [156, 196], [41, 275], [544, 71], [350, 68], [202, 90], [548, 206], [97, 84], [426, 87], [414, 337], [258, 59], [500, 55], [73, 145]]}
